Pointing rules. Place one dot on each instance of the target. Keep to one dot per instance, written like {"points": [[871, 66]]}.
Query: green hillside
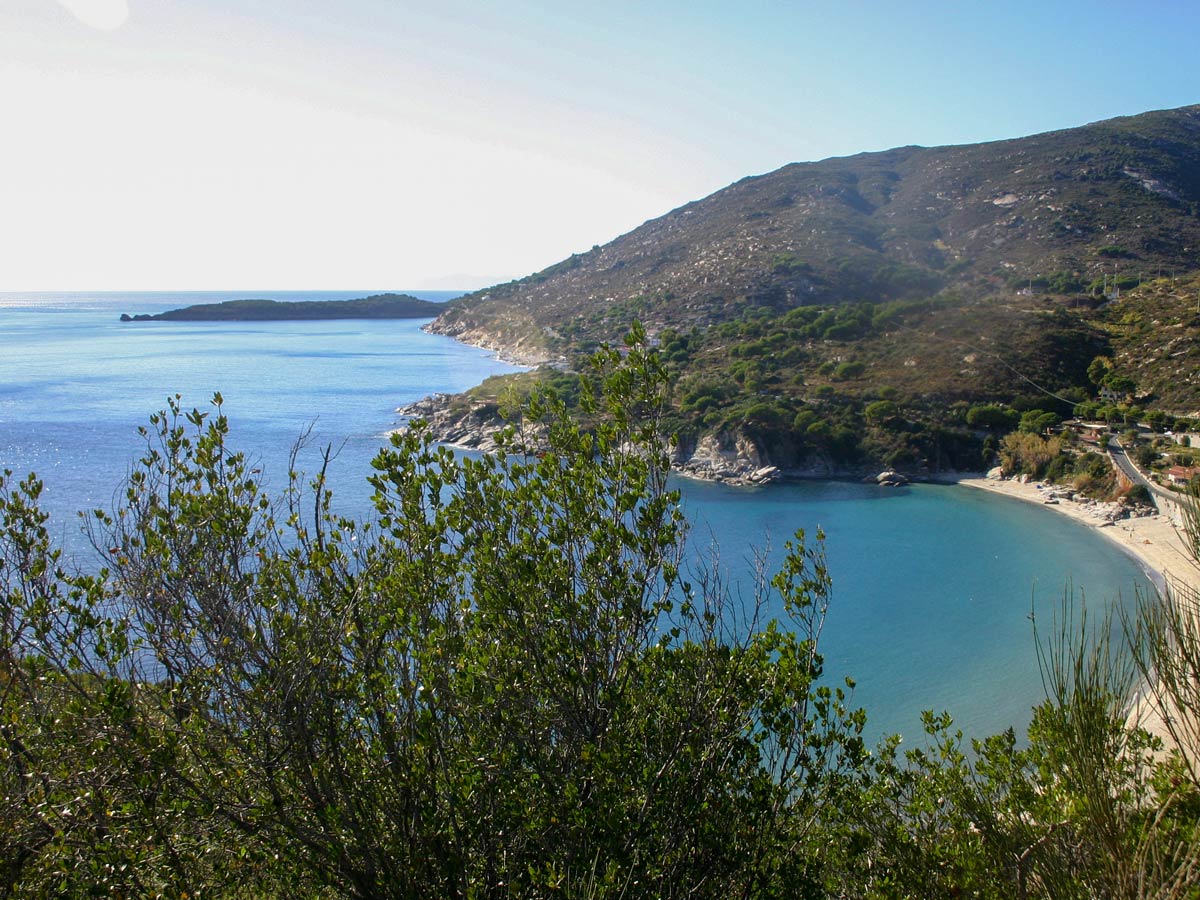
{"points": [[1154, 331], [852, 312]]}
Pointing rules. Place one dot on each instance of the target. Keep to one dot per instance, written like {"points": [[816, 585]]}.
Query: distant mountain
{"points": [[377, 306], [1063, 214]]}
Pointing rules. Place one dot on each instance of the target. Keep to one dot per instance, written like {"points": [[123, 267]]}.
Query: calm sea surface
{"points": [[933, 585]]}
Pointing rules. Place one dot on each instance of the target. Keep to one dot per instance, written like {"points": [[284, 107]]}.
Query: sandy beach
{"points": [[1156, 541]]}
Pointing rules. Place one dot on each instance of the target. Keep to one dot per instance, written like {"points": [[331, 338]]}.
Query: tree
{"points": [[881, 411], [501, 686], [1038, 421], [1099, 369], [1121, 384], [1021, 452], [849, 370], [1157, 419], [992, 416]]}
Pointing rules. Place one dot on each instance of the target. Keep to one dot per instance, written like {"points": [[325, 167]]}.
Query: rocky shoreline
{"points": [[727, 458], [731, 458], [523, 353], [473, 429]]}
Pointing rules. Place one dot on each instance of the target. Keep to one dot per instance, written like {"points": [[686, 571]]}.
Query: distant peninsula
{"points": [[377, 306]]}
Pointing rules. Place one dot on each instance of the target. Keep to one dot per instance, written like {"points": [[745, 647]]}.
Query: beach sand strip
{"points": [[1156, 541]]}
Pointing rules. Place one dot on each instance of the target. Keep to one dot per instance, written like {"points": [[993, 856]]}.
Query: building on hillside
{"points": [[1094, 433], [1182, 475]]}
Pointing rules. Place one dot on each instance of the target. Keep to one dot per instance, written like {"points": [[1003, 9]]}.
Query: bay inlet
{"points": [[933, 585]]}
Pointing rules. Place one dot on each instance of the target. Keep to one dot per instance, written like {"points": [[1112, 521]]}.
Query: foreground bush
{"points": [[505, 685], [502, 686]]}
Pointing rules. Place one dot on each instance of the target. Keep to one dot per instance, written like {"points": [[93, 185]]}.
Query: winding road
{"points": [[1164, 500]]}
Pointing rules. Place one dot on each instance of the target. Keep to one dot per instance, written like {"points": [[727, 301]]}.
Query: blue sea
{"points": [[933, 585]]}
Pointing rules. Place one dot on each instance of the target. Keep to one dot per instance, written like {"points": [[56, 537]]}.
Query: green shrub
{"points": [[849, 370]]}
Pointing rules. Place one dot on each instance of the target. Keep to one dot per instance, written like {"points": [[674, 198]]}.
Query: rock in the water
{"points": [[890, 478], [764, 475]]}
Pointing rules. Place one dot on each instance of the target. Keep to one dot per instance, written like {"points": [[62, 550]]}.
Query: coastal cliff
{"points": [[728, 457]]}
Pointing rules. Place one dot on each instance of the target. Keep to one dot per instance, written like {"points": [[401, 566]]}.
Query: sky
{"points": [[405, 144]]}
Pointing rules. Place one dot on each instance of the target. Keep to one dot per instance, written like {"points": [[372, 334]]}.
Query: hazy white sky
{"points": [[390, 144]]}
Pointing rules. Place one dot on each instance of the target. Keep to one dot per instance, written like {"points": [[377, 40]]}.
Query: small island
{"points": [[377, 306]]}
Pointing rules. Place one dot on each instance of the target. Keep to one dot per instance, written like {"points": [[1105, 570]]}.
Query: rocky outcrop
{"points": [[729, 457], [471, 428], [732, 458]]}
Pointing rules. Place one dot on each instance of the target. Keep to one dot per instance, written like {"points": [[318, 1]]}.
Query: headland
{"points": [[377, 306]]}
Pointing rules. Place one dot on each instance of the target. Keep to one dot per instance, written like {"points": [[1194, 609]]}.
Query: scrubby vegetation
{"points": [[1087, 212], [1155, 335], [876, 384], [1053, 459], [973, 295], [503, 687]]}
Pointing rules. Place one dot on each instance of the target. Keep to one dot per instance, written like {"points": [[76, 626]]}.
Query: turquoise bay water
{"points": [[933, 585], [933, 588]]}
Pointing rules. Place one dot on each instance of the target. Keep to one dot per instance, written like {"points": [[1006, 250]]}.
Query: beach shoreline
{"points": [[1154, 541]]}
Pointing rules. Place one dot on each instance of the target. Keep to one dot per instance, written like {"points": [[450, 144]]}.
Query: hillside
{"points": [[836, 316], [1052, 213], [377, 306], [1154, 332]]}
